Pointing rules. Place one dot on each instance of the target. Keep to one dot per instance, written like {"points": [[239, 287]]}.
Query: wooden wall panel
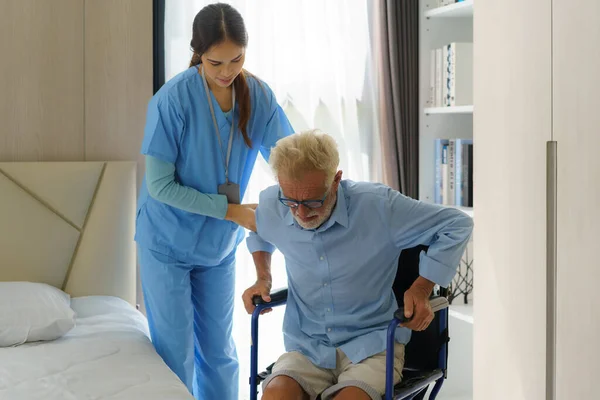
{"points": [[118, 78], [41, 84]]}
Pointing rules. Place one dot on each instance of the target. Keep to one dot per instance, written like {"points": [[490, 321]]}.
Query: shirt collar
{"points": [[339, 215], [289, 218]]}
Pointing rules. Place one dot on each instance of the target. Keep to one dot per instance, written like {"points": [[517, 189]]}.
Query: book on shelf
{"points": [[446, 76], [451, 75], [453, 184]]}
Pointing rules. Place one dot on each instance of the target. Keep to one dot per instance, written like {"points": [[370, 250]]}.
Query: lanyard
{"points": [[212, 112]]}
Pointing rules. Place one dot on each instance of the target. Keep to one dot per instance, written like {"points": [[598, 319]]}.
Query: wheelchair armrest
{"points": [[278, 297], [437, 303]]}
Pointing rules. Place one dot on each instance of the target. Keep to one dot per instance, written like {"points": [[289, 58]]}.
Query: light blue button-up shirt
{"points": [[340, 275]]}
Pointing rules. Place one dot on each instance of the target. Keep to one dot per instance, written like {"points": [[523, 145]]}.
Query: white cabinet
{"points": [[576, 116], [537, 79], [512, 123]]}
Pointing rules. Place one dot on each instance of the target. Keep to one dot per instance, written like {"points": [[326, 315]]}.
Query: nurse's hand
{"points": [[261, 288], [242, 215]]}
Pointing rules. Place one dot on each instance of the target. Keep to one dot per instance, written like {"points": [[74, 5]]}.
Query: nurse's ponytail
{"points": [[196, 60], [242, 95], [212, 25]]}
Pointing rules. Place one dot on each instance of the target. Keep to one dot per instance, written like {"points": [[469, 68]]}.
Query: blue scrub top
{"points": [[180, 130]]}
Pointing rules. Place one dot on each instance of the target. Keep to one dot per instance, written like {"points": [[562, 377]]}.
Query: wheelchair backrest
{"points": [[423, 349]]}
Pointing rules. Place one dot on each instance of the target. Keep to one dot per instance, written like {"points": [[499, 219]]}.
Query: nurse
{"points": [[204, 130]]}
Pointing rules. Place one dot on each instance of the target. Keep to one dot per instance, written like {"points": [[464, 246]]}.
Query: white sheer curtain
{"points": [[316, 56]]}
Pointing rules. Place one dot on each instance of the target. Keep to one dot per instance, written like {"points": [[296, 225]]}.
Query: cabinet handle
{"points": [[551, 268]]}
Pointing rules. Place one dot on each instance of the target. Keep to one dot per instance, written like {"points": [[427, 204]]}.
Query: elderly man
{"points": [[341, 241]]}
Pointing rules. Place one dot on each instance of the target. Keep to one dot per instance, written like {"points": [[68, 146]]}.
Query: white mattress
{"points": [[108, 355]]}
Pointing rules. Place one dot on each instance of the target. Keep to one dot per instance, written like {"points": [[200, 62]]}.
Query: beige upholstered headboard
{"points": [[71, 225]]}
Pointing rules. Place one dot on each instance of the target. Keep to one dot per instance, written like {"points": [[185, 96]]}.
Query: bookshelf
{"points": [[456, 10], [440, 26], [449, 110]]}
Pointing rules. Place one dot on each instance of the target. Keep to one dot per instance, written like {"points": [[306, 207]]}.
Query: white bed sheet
{"points": [[108, 355]]}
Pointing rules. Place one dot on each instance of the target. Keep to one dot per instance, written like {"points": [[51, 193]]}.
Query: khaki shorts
{"points": [[368, 375]]}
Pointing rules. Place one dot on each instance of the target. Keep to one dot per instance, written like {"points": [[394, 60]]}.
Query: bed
{"points": [[70, 225]]}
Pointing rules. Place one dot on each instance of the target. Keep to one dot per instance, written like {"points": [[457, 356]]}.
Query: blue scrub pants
{"points": [[190, 314]]}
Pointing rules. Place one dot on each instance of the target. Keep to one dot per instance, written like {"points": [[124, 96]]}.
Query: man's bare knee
{"points": [[284, 388], [352, 393]]}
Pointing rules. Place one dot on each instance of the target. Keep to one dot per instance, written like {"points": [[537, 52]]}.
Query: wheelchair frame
{"points": [[418, 388]]}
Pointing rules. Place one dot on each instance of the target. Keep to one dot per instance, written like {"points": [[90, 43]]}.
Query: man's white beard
{"points": [[317, 222]]}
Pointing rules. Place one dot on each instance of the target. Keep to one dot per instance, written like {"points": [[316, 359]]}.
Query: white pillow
{"points": [[31, 312]]}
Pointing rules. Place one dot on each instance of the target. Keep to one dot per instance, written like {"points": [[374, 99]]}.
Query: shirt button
{"points": [[325, 284], [329, 309], [328, 329], [321, 258]]}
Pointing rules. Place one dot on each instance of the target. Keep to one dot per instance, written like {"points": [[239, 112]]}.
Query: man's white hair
{"points": [[306, 151]]}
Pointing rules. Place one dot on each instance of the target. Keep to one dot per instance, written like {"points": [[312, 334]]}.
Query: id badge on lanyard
{"points": [[229, 189]]}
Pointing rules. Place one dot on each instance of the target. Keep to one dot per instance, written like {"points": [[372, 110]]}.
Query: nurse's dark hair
{"points": [[214, 24]]}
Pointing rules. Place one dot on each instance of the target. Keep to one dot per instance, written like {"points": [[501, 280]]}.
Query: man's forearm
{"points": [[262, 261]]}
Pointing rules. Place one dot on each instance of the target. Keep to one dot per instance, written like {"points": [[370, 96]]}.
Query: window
{"points": [[316, 57]]}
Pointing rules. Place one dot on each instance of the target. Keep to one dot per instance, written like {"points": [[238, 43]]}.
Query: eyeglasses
{"points": [[306, 203]]}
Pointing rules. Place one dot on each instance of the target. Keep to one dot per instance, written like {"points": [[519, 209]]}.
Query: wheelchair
{"points": [[426, 355]]}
